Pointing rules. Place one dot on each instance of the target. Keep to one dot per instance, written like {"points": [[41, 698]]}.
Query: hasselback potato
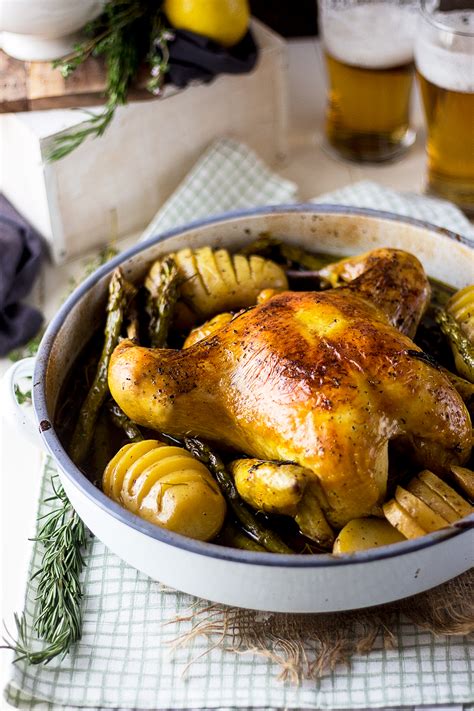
{"points": [[461, 307], [167, 486], [214, 280]]}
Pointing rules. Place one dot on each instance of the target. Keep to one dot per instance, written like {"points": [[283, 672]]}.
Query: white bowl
{"points": [[43, 30], [309, 583]]}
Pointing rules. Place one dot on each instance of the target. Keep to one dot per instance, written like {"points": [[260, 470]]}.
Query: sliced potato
{"points": [[363, 533], [428, 519], [461, 306], [226, 268], [432, 499], [168, 486], [242, 269], [447, 493], [210, 274], [402, 521], [465, 479], [214, 281]]}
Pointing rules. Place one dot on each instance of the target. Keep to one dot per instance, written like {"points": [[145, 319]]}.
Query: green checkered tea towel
{"points": [[368, 194], [229, 176], [126, 658]]}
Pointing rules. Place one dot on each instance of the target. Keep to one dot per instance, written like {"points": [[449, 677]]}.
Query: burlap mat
{"points": [[306, 646]]}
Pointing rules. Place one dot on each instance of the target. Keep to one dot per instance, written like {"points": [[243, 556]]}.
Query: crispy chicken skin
{"points": [[323, 379]]}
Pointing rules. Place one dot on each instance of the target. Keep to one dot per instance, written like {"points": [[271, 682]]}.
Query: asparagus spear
{"points": [[299, 256], [120, 419], [457, 338], [262, 245], [265, 244], [162, 285], [84, 430], [264, 536], [233, 537]]}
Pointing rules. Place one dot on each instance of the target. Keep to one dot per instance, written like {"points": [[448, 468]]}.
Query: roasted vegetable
{"points": [[283, 488], [215, 281], [162, 284], [464, 478], [362, 533], [428, 519], [273, 487], [84, 430], [264, 536], [267, 245], [427, 505], [310, 517], [234, 537], [402, 521], [207, 329], [461, 308], [265, 295], [457, 503], [120, 419], [461, 344], [167, 486]]}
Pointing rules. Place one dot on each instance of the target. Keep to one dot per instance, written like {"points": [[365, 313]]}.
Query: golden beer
{"points": [[367, 117], [450, 143], [368, 46]]}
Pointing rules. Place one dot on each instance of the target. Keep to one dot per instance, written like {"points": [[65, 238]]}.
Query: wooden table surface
{"points": [[311, 168]]}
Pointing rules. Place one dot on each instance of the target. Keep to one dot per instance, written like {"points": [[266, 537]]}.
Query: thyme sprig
{"points": [[59, 618], [128, 34]]}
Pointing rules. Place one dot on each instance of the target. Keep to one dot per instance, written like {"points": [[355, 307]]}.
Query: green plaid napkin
{"points": [[229, 176], [124, 659]]}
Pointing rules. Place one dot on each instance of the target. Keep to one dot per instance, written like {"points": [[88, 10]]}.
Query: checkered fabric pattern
{"points": [[124, 660], [368, 194], [229, 176]]}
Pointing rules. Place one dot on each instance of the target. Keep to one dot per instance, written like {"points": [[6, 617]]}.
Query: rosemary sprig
{"points": [[64, 538], [127, 34], [59, 620]]}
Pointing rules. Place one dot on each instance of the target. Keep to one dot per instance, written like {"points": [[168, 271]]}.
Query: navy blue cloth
{"points": [[21, 254], [192, 56]]}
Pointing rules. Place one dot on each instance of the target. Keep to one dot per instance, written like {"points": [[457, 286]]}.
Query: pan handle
{"points": [[20, 416]]}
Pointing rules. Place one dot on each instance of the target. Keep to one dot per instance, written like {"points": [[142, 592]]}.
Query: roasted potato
{"points": [[166, 486], [426, 505], [207, 329], [461, 307], [362, 533], [213, 281]]}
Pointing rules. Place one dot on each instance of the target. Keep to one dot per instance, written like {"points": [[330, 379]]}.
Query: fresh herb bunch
{"points": [[59, 620], [128, 34], [64, 538]]}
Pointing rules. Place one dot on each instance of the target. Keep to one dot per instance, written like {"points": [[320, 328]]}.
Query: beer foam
{"points": [[375, 35], [444, 59]]}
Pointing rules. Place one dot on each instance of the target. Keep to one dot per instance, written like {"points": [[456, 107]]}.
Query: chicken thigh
{"points": [[323, 379]]}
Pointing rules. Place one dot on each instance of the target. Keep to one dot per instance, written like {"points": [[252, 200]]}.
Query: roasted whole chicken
{"points": [[324, 380]]}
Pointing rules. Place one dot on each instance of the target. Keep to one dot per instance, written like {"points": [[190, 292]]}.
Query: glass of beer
{"points": [[444, 57], [368, 46]]}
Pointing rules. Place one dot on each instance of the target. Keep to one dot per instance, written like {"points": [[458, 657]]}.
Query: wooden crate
{"points": [[112, 186]]}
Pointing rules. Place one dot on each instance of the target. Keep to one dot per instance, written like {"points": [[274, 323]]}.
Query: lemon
{"points": [[224, 21]]}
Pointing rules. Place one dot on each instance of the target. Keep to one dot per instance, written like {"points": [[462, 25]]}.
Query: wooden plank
{"points": [[12, 84], [30, 86]]}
